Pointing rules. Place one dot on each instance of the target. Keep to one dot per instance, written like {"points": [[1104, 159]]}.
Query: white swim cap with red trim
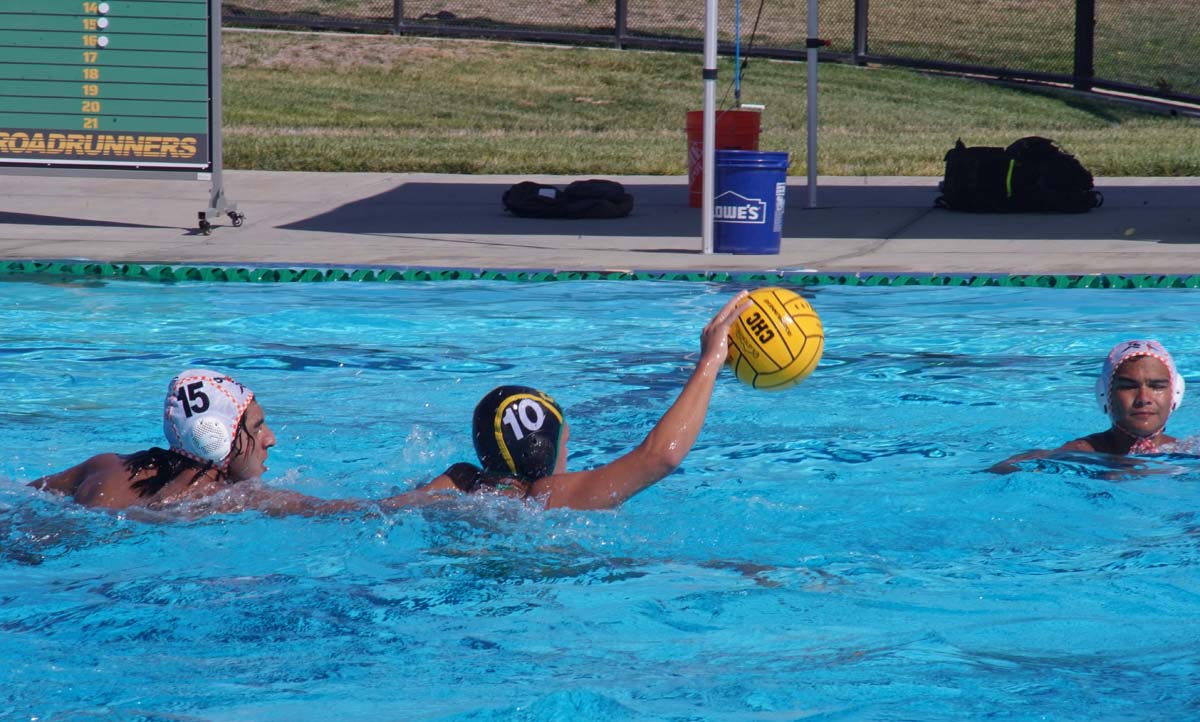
{"points": [[202, 412], [1126, 350]]}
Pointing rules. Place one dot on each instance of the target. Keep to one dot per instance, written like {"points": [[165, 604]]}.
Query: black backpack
{"points": [[581, 199], [1032, 174]]}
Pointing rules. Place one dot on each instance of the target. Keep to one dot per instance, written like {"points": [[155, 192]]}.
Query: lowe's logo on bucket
{"points": [[731, 207]]}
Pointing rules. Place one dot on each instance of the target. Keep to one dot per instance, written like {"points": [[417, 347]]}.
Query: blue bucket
{"points": [[751, 191]]}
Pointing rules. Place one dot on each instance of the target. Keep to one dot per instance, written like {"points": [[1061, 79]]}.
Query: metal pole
{"points": [[621, 20], [811, 61], [217, 203], [708, 176], [216, 122], [1085, 44], [862, 15], [737, 53]]}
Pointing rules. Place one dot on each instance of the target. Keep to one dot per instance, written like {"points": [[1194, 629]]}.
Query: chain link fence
{"points": [[1145, 47]]}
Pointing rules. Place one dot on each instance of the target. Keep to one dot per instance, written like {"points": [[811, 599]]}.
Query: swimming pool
{"points": [[829, 552]]}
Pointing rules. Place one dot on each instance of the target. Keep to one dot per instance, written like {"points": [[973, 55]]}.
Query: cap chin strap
{"points": [[1141, 444]]}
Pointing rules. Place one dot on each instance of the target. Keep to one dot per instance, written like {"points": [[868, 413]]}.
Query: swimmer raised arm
{"points": [[521, 438], [664, 448]]}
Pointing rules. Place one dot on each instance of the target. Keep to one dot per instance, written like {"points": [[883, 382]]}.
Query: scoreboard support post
{"points": [[217, 204]]}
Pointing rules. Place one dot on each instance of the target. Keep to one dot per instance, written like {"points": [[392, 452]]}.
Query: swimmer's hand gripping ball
{"points": [[777, 342]]}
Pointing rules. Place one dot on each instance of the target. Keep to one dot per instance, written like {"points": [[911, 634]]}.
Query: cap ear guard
{"points": [[211, 438]]}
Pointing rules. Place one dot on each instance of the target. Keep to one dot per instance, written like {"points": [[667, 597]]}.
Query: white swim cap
{"points": [[1126, 350], [202, 413]]}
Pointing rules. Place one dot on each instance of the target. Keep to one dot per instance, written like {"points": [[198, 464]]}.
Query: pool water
{"points": [[830, 552]]}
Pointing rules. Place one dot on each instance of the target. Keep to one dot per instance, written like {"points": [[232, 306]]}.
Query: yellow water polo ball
{"points": [[776, 342]]}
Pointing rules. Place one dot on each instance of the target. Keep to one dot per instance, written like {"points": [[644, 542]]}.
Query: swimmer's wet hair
{"points": [[516, 432], [166, 465]]}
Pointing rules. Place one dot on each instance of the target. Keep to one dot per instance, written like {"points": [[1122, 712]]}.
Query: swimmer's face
{"points": [[1141, 396], [560, 463], [250, 448]]}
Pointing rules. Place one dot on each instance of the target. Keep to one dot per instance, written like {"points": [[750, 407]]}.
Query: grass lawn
{"points": [[333, 102]]}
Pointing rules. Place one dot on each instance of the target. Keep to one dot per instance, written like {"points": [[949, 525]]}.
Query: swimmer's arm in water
{"points": [[425, 495], [281, 502], [1009, 465], [665, 447], [278, 502]]}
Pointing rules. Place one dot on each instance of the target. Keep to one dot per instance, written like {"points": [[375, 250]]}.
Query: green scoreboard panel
{"points": [[109, 84]]}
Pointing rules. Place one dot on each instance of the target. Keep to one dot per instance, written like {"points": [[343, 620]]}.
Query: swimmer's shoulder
{"points": [[462, 476], [590, 489], [452, 478], [108, 483], [468, 478], [1097, 442], [68, 481]]}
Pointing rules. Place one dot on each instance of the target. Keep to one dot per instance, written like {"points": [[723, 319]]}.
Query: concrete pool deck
{"points": [[368, 220]]}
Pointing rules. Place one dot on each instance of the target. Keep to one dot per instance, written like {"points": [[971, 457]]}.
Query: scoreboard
{"points": [[109, 83], [93, 87]]}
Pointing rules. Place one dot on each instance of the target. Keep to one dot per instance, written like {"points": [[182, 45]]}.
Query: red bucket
{"points": [[736, 130]]}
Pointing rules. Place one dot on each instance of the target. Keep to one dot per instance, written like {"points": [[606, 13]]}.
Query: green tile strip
{"points": [[73, 270]]}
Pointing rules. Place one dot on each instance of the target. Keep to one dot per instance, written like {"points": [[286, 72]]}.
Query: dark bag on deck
{"points": [[581, 199], [1032, 174]]}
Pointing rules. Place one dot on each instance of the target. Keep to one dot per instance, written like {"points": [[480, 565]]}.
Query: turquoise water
{"points": [[831, 552]]}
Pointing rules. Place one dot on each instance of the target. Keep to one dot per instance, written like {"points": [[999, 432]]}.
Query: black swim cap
{"points": [[516, 431]]}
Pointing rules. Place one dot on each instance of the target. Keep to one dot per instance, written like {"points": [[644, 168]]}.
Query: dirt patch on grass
{"points": [[338, 53]]}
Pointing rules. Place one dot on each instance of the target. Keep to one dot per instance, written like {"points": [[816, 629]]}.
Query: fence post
{"points": [[397, 16], [621, 22], [1085, 44], [860, 30]]}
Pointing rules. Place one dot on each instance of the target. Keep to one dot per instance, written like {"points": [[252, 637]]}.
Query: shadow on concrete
{"points": [[33, 219], [1157, 213], [475, 209]]}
